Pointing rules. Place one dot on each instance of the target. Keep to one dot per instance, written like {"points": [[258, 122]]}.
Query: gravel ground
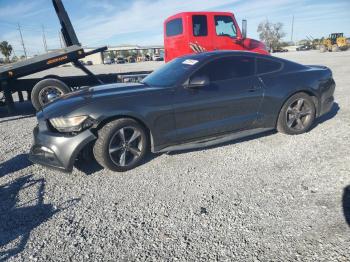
{"points": [[271, 197]]}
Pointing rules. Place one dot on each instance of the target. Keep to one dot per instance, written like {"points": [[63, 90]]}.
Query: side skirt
{"points": [[206, 142]]}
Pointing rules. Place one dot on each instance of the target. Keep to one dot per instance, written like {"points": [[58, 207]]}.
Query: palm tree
{"points": [[6, 49]]}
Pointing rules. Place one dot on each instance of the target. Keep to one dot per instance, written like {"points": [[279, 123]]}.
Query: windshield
{"points": [[170, 73]]}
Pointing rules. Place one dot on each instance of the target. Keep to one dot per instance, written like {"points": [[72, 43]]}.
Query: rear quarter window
{"points": [[267, 66], [174, 27]]}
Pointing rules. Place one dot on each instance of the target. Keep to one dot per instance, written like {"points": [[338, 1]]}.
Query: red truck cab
{"points": [[192, 32]]}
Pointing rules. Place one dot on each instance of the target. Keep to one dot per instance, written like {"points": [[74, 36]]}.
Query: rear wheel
{"points": [[121, 145], [46, 91], [297, 115]]}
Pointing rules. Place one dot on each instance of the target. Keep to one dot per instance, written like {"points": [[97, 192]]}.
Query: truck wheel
{"points": [[335, 48], [343, 48], [121, 145], [46, 91], [323, 49]]}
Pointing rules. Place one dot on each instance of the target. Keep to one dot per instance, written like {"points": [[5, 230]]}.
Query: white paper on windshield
{"points": [[190, 62]]}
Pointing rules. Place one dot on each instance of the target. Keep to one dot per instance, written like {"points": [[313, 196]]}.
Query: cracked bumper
{"points": [[57, 150]]}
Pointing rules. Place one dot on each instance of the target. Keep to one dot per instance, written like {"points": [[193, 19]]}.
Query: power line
{"points": [[30, 28]]}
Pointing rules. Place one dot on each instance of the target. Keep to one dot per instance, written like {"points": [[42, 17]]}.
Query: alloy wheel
{"points": [[125, 147], [299, 114]]}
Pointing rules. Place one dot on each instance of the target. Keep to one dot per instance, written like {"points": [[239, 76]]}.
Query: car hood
{"points": [[71, 101]]}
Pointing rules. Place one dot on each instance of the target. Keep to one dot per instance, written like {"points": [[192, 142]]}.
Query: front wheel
{"points": [[297, 115], [335, 48], [323, 48], [121, 145]]}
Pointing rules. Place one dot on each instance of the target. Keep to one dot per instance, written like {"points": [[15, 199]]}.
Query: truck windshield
{"points": [[170, 73]]}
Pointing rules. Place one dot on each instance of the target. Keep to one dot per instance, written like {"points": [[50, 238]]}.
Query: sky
{"points": [[140, 22]]}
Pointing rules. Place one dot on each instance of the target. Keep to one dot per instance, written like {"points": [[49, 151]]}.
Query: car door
{"points": [[229, 103]]}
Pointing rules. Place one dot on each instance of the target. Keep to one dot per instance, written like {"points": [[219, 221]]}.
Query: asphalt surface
{"points": [[271, 197]]}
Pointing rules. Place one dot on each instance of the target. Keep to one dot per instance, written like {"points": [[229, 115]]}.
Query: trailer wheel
{"points": [[46, 91]]}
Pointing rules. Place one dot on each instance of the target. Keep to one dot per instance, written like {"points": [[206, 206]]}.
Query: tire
{"points": [[46, 87], [335, 48], [297, 115], [110, 138], [323, 49]]}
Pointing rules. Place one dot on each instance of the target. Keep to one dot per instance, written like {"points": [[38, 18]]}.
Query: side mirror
{"points": [[244, 28], [198, 81]]}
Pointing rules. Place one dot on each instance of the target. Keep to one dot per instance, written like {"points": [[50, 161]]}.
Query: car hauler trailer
{"points": [[42, 91]]}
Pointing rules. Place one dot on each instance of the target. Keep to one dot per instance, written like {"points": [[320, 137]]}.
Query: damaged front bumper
{"points": [[57, 150]]}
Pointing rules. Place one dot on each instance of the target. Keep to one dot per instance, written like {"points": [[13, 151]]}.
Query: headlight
{"points": [[71, 124]]}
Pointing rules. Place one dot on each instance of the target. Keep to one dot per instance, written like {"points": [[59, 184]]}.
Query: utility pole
{"points": [[291, 36], [22, 42], [44, 38], [60, 37]]}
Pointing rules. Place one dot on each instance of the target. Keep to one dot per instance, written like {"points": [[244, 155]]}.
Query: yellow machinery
{"points": [[334, 43]]}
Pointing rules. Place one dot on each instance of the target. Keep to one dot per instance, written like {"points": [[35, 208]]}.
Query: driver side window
{"points": [[227, 68]]}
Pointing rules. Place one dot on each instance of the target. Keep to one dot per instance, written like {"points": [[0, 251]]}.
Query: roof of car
{"points": [[218, 53]]}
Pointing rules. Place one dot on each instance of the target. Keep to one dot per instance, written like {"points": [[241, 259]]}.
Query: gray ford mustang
{"points": [[193, 101]]}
